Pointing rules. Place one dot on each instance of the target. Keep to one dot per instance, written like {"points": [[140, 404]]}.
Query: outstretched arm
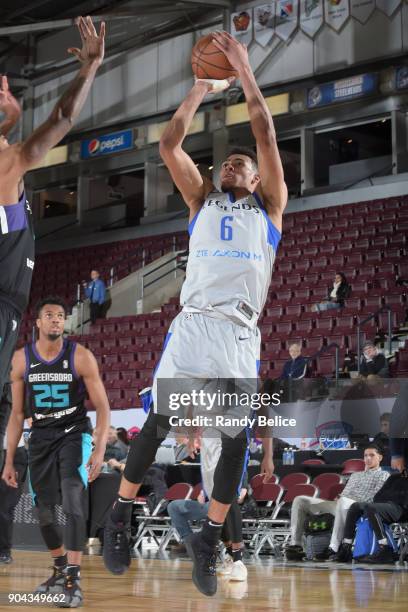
{"points": [[193, 187], [9, 106], [274, 191], [69, 106]]}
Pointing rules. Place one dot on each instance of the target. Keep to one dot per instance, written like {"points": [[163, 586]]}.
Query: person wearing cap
{"points": [[373, 363]]}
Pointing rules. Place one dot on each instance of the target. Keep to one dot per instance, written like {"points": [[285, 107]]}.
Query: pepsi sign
{"points": [[109, 143]]}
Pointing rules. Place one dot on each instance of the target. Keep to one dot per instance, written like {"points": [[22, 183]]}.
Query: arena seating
{"points": [[367, 241]]}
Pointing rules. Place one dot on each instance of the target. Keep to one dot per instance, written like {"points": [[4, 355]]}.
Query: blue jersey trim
{"points": [[86, 453], [193, 222], [231, 197], [274, 235]]}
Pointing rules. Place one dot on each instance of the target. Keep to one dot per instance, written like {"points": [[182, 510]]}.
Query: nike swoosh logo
{"points": [[34, 365], [246, 338], [69, 429]]}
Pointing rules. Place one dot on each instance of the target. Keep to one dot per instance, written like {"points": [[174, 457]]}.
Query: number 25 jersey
{"points": [[55, 394]]}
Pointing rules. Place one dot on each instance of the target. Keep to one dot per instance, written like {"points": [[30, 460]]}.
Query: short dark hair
{"points": [[376, 447], [54, 300], [245, 151]]}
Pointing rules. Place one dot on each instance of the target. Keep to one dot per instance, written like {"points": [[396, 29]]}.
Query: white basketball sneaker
{"points": [[226, 567], [239, 572]]}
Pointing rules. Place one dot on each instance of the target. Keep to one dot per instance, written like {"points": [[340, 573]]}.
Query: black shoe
{"points": [[294, 553], [204, 561], [5, 558], [325, 555], [71, 594], [116, 553], [54, 584], [384, 555], [343, 555]]}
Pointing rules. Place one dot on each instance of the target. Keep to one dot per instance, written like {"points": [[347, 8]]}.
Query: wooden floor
{"points": [[164, 585]]}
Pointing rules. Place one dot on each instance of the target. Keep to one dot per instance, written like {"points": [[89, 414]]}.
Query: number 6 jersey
{"points": [[233, 245], [55, 394]]}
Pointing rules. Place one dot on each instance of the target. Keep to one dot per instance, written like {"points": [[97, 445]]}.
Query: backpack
{"points": [[317, 528], [316, 544], [319, 523], [366, 543]]}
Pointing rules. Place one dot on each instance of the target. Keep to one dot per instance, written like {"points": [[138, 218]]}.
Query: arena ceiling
{"points": [[22, 21]]}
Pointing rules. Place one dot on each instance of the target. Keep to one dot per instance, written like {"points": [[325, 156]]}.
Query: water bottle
{"points": [[285, 456]]}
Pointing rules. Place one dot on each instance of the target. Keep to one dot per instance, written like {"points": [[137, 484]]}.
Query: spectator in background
{"points": [[382, 439], [373, 364], [361, 487], [296, 366], [115, 448], [95, 290], [123, 435], [336, 294]]}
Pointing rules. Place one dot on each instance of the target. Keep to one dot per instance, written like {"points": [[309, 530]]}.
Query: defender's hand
{"points": [[8, 103], [93, 44]]}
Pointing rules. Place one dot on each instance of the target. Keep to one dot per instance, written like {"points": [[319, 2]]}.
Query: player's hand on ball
{"points": [[94, 465], [236, 52], [10, 476], [216, 86], [93, 44], [267, 469]]}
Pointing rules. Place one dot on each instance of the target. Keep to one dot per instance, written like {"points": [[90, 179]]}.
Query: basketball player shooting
{"points": [[54, 375], [16, 225], [216, 334]]}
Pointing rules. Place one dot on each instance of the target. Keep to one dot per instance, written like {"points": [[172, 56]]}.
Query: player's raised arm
{"points": [[16, 420], [87, 367], [274, 191], [8, 106], [193, 187], [69, 106]]}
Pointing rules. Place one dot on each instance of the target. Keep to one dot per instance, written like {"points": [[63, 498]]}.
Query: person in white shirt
{"points": [[361, 487]]}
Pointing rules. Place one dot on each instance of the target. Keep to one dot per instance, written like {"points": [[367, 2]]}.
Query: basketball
{"points": [[208, 62]]}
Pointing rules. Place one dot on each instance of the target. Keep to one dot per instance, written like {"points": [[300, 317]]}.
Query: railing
{"points": [[56, 230], [371, 176], [372, 316], [173, 270]]}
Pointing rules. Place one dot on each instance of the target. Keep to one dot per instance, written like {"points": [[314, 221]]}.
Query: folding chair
{"points": [[276, 530], [293, 479], [269, 494], [153, 524]]}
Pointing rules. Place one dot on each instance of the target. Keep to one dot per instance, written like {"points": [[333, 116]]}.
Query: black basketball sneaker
{"points": [[116, 551], [204, 559]]}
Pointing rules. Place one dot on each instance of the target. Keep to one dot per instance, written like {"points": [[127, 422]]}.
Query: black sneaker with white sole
{"points": [[204, 559], [116, 552]]}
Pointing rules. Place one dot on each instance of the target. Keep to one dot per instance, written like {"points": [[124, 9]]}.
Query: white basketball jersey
{"points": [[232, 250]]}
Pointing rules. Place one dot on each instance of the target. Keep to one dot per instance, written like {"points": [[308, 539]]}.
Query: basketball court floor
{"points": [[164, 585]]}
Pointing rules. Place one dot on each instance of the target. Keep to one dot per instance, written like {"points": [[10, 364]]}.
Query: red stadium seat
{"points": [[353, 465], [295, 478]]}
